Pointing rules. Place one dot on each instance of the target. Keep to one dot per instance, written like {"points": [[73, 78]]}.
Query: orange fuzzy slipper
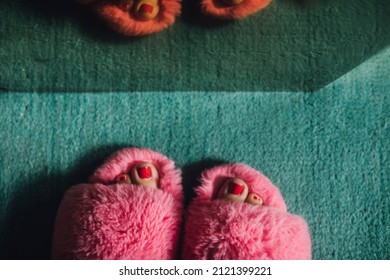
{"points": [[232, 9], [136, 17]]}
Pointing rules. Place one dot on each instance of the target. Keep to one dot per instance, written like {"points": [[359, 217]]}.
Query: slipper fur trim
{"points": [[125, 23], [222, 230], [219, 229], [123, 160], [246, 8], [106, 220], [213, 179]]}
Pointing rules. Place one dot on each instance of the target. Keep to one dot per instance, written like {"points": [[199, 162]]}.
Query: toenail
{"points": [[146, 9], [125, 5], [235, 189], [122, 178], [144, 172]]}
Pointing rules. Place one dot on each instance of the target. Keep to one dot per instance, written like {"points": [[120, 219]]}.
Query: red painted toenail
{"points": [[235, 189], [122, 178], [146, 9], [144, 172], [255, 197]]}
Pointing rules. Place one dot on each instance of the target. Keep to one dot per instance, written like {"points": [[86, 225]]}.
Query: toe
{"points": [[145, 174], [254, 198], [123, 178], [125, 5], [234, 190], [146, 9]]}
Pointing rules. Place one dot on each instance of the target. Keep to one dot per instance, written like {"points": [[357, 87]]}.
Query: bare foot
{"points": [[141, 9], [236, 190], [142, 174]]}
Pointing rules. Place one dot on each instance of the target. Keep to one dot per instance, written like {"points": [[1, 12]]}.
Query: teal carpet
{"points": [[327, 151], [300, 92]]}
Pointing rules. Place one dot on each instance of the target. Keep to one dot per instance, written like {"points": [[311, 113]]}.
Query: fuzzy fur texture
{"points": [[105, 220], [128, 25], [246, 8], [219, 229]]}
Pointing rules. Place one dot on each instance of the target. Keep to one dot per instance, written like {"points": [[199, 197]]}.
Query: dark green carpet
{"points": [[58, 46], [327, 151]]}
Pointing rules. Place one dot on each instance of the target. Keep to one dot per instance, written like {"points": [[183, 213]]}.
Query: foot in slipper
{"points": [[130, 209], [239, 214], [232, 9], [136, 17]]}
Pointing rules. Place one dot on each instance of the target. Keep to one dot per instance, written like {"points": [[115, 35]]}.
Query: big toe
{"points": [[145, 174], [146, 9], [233, 190]]}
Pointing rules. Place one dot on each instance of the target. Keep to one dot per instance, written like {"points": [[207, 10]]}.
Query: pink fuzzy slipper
{"points": [[136, 17], [108, 220], [232, 9], [221, 229]]}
